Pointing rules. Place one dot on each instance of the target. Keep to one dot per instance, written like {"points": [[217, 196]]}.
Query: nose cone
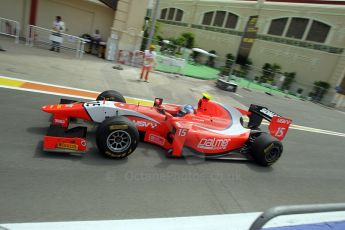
{"points": [[76, 110], [51, 108], [45, 108]]}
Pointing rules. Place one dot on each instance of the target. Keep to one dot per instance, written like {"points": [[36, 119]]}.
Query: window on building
{"points": [[297, 28], [231, 21], [179, 15], [207, 18], [171, 13], [148, 12], [318, 32], [277, 26], [219, 19], [163, 13]]}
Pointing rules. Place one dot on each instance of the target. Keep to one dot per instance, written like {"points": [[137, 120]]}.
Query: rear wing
{"points": [[278, 125]]}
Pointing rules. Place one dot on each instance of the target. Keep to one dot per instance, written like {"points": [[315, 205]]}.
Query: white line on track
{"points": [[293, 126], [52, 93], [41, 83], [45, 92]]}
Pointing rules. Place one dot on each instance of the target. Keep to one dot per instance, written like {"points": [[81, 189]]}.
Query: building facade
{"points": [[306, 37], [122, 19]]}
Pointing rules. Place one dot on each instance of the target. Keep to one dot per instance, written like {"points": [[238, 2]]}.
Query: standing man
{"points": [[58, 28], [95, 40], [149, 62]]}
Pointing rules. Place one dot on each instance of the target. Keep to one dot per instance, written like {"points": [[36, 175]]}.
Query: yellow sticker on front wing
{"points": [[65, 145]]}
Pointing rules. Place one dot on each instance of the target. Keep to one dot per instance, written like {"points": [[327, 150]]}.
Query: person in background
{"points": [[149, 62], [95, 40], [58, 28]]}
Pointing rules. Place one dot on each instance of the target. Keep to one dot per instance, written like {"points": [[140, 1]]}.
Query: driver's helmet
{"points": [[185, 109]]}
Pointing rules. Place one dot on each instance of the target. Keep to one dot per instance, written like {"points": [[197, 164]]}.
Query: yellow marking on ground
{"points": [[140, 101], [10, 82]]}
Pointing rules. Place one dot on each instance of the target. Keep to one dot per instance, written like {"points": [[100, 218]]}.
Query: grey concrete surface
{"points": [[38, 186], [93, 73]]}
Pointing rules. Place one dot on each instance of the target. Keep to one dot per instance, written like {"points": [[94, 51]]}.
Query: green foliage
{"points": [[195, 55], [322, 84], [248, 62], [157, 30], [245, 68], [147, 34], [224, 70], [178, 54], [180, 41], [210, 61], [229, 59], [319, 90], [184, 40], [144, 41], [240, 73], [189, 39], [268, 72], [289, 79]]}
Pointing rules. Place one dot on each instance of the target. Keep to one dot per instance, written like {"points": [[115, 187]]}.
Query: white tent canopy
{"points": [[204, 52]]}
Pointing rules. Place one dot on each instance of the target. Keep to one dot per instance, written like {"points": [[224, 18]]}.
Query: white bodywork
{"points": [[100, 110]]}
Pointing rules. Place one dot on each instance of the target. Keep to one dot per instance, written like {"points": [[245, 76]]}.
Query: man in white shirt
{"points": [[149, 62], [58, 28]]}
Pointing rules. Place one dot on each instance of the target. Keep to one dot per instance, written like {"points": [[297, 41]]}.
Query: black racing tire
{"points": [[111, 95], [266, 150], [117, 137]]}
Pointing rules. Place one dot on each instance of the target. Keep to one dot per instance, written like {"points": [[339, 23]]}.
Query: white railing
{"points": [[10, 28], [41, 36], [294, 210]]}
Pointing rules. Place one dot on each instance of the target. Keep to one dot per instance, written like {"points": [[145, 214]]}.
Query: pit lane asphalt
{"points": [[38, 186]]}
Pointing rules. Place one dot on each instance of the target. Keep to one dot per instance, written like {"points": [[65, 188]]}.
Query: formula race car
{"points": [[211, 130]]}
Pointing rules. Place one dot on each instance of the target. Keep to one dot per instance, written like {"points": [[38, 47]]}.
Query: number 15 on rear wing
{"points": [[278, 126]]}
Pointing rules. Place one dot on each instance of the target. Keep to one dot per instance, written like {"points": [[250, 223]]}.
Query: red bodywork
{"points": [[211, 130]]}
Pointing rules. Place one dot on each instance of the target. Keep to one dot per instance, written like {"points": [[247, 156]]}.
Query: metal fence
{"points": [[132, 58], [273, 80], [292, 210], [38, 36], [10, 28]]}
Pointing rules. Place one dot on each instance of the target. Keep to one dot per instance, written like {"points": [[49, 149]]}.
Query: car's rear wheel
{"points": [[266, 150], [111, 95], [117, 137]]}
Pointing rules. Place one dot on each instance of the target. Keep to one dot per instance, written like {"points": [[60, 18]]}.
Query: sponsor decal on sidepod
{"points": [[213, 143], [156, 139], [144, 124]]}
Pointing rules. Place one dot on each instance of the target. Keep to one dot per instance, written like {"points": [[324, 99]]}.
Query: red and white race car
{"points": [[211, 130]]}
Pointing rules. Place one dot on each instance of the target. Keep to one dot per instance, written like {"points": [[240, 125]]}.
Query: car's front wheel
{"points": [[117, 137]]}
